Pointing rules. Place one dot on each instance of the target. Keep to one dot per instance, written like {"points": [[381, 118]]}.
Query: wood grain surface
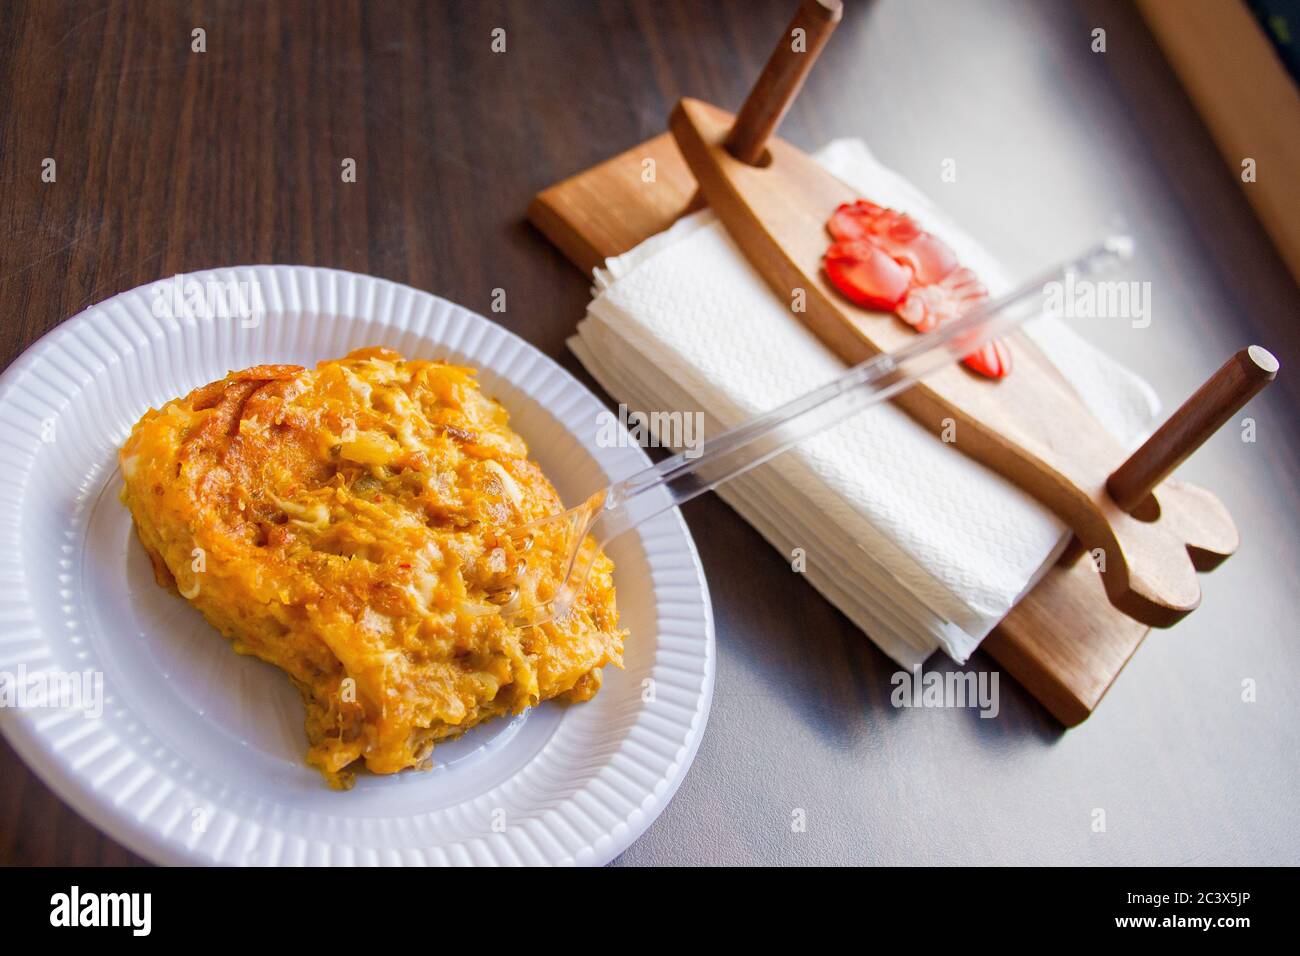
{"points": [[172, 161]]}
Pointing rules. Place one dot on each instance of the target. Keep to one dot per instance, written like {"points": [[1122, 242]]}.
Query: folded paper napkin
{"points": [[917, 544]]}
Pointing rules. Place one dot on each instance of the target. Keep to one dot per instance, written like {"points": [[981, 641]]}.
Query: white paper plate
{"points": [[197, 756]]}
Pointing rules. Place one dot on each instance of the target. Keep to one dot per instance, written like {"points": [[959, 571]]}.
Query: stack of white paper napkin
{"points": [[917, 544]]}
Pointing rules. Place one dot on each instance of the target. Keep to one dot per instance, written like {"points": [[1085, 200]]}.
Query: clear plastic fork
{"points": [[679, 478]]}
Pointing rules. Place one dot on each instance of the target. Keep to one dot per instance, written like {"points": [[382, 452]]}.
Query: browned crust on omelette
{"points": [[346, 525]]}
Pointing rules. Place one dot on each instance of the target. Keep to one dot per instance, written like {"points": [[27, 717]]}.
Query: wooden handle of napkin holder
{"points": [[789, 65], [1224, 394]]}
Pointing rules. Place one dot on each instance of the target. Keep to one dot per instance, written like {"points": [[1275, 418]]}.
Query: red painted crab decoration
{"points": [[882, 259]]}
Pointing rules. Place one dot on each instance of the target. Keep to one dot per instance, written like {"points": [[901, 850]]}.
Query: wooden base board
{"points": [[1064, 641], [613, 206]]}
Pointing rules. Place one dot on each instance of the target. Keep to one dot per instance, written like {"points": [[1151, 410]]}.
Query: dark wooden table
{"points": [[170, 161]]}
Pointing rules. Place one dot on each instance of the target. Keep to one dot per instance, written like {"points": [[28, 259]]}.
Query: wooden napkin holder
{"points": [[1066, 640]]}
